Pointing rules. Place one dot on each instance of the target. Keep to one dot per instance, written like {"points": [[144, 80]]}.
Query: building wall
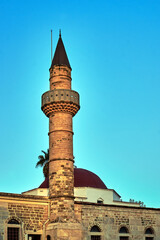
{"points": [[110, 218], [38, 192], [3, 216], [93, 194], [31, 213], [109, 196]]}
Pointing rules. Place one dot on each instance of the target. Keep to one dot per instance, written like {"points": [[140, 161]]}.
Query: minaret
{"points": [[60, 104]]}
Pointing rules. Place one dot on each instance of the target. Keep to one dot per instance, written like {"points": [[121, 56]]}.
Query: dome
{"points": [[82, 178], [45, 184], [85, 178]]}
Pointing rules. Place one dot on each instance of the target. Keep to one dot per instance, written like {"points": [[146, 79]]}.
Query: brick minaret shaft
{"points": [[60, 104]]}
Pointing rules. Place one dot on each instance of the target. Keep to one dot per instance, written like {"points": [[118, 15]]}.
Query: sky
{"points": [[114, 51]]}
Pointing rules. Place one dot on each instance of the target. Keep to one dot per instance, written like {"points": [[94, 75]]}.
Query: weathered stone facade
{"points": [[30, 211], [33, 214], [110, 218]]}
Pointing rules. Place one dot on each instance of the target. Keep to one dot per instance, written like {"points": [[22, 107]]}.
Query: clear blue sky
{"points": [[114, 50]]}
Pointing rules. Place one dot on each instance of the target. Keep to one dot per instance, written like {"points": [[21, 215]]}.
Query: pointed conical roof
{"points": [[60, 56]]}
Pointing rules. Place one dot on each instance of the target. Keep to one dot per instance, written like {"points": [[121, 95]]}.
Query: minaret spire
{"points": [[59, 33], [60, 104], [60, 56], [51, 45]]}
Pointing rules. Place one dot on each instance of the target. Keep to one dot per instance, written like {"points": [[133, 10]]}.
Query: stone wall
{"points": [[33, 216], [3, 216], [31, 212], [110, 218]]}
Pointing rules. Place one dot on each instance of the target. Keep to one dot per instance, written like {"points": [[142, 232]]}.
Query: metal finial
{"points": [[60, 33], [51, 45]]}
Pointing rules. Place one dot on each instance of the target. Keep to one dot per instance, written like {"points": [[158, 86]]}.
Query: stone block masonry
{"points": [[60, 104], [110, 218], [33, 216], [3, 216], [30, 211]]}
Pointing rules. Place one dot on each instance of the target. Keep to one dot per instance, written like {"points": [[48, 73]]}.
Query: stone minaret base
{"points": [[65, 231]]}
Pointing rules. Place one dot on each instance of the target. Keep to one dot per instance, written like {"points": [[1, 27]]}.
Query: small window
{"points": [[48, 237], [95, 233], [123, 230], [13, 230], [34, 237], [13, 221], [149, 234], [100, 200], [95, 237], [149, 231], [95, 229], [13, 233], [124, 233]]}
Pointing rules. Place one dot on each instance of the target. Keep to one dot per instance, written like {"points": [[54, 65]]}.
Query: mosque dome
{"points": [[82, 178], [85, 178]]}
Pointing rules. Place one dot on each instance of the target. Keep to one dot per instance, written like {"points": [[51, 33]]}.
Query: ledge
{"points": [[116, 206], [10, 196]]}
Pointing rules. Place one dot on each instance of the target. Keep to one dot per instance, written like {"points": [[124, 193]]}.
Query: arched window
{"points": [[95, 229], [100, 200], [149, 234], [149, 231], [95, 233], [123, 233], [48, 237], [13, 230], [123, 230], [13, 221]]}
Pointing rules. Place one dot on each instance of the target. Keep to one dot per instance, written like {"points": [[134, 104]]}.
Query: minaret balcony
{"points": [[60, 100]]}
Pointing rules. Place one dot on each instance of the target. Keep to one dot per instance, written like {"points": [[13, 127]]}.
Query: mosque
{"points": [[72, 203]]}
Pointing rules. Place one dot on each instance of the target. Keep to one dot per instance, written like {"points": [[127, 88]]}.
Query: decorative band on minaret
{"points": [[60, 104]]}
